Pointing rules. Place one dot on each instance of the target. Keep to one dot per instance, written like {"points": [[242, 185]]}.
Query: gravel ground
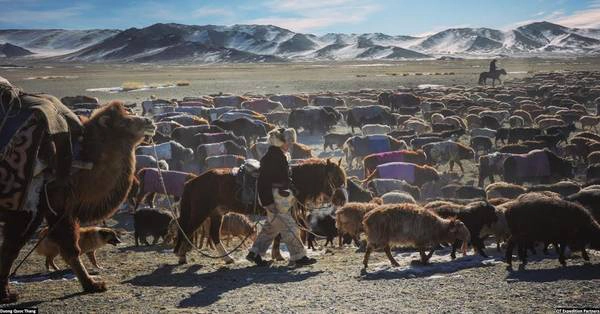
{"points": [[148, 279]]}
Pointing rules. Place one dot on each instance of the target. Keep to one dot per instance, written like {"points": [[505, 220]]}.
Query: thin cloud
{"points": [[589, 18], [310, 15], [27, 17], [211, 11]]}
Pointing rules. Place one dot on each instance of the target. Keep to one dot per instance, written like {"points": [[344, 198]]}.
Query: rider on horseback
{"points": [[274, 195], [493, 66]]}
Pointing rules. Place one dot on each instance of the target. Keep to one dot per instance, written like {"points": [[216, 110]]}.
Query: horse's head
{"points": [[502, 71]]}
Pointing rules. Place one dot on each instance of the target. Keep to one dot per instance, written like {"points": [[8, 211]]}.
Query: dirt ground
{"points": [[69, 79], [148, 279]]}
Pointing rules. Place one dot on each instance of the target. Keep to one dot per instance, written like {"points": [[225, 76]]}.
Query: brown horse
{"points": [[212, 194]]}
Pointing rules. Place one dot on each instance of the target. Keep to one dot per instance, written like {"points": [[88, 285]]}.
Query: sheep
{"points": [[348, 220], [483, 132], [371, 162], [236, 225], [593, 158], [516, 121], [473, 121], [537, 165], [475, 216], [524, 115], [323, 225], [483, 143], [504, 190], [448, 151], [411, 173], [588, 198], [410, 224], [397, 198], [499, 115], [564, 188], [337, 139], [546, 123], [418, 126], [436, 118], [550, 220], [589, 121], [490, 165], [381, 186], [373, 129], [498, 229]]}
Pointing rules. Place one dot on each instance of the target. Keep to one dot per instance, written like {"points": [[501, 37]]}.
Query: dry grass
{"points": [[127, 86]]}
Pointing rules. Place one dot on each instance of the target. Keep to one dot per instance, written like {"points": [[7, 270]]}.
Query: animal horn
{"points": [[369, 178]]}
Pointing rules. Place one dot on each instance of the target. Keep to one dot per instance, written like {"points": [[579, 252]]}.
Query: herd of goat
{"points": [[537, 134]]}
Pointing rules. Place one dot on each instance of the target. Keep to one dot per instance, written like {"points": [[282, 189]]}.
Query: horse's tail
{"points": [[481, 78]]}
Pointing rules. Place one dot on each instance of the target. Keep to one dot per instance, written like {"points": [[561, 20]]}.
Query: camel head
{"points": [[113, 121]]}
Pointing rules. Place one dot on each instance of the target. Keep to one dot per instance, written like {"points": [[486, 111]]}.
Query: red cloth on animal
{"points": [[274, 172], [394, 156], [174, 181]]}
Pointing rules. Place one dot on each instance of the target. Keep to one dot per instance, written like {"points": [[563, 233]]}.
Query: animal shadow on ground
{"points": [[214, 284], [159, 247], [39, 277], [570, 272], [411, 267], [64, 274]]}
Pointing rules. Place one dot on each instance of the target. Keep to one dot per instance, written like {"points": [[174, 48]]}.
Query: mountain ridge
{"points": [[172, 42]]}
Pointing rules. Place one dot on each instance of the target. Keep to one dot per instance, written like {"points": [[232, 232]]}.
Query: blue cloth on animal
{"points": [[370, 144], [397, 170]]}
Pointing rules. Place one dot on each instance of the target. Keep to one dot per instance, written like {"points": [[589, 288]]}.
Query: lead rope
{"points": [[187, 239], [14, 272], [170, 204]]}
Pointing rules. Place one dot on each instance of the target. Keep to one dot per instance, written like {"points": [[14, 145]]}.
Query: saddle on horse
{"points": [[246, 177], [37, 137]]}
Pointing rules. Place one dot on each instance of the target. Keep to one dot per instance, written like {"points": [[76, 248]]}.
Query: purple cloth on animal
{"points": [[174, 181], [533, 164], [397, 170]]}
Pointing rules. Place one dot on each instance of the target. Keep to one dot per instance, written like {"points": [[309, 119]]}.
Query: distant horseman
{"points": [[493, 66]]}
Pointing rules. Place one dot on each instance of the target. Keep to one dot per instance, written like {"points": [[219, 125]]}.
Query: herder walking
{"points": [[275, 196]]}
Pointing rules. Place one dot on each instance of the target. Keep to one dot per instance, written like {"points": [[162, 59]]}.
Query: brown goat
{"points": [[349, 219], [410, 224]]}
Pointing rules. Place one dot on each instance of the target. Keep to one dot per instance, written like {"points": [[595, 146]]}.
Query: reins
{"points": [[180, 229]]}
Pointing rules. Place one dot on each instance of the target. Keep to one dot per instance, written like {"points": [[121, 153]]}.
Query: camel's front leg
{"points": [[66, 234]]}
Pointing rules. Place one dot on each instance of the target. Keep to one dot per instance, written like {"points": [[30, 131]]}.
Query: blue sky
{"points": [[395, 17]]}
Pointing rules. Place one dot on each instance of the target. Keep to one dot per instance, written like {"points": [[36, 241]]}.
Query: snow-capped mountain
{"points": [[11, 51], [54, 41], [540, 38], [268, 43]]}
